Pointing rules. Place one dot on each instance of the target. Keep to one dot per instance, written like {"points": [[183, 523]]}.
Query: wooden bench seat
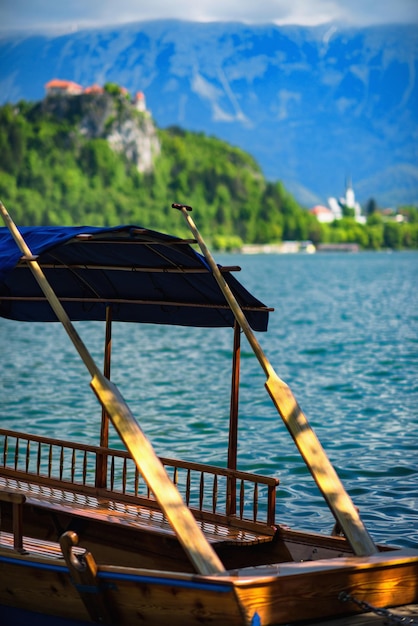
{"points": [[112, 510], [36, 547]]}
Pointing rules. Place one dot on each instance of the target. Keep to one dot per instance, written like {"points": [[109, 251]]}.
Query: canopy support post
{"points": [[233, 420], [101, 468]]}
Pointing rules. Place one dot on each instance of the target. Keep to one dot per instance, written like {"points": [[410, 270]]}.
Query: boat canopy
{"points": [[146, 276]]}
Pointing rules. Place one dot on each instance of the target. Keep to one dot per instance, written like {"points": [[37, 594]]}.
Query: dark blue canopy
{"points": [[144, 275]]}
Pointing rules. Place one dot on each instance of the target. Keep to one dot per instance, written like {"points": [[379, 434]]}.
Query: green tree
{"points": [[371, 207], [392, 235]]}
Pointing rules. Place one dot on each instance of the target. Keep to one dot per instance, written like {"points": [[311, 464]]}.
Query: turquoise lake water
{"points": [[344, 336]]}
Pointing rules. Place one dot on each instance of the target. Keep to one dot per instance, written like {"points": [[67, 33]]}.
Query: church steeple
{"points": [[350, 200]]}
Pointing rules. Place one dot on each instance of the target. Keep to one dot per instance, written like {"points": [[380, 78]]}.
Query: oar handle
{"points": [[226, 290], [49, 292], [288, 408]]}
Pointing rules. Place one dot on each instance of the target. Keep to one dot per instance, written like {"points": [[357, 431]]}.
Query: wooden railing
{"points": [[205, 488]]}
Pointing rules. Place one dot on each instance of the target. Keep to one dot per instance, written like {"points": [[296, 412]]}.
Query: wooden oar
{"points": [[307, 442], [201, 554]]}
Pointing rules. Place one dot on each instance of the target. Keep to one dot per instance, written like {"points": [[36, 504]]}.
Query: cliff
{"points": [[111, 117]]}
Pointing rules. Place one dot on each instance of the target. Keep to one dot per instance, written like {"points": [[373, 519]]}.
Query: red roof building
{"points": [[322, 213], [58, 86], [95, 89]]}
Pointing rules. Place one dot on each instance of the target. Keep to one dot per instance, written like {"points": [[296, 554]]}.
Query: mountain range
{"points": [[315, 106]]}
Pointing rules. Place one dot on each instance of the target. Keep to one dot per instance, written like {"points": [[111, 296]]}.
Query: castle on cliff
{"points": [[57, 86]]}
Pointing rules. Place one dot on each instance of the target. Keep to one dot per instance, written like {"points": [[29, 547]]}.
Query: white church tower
{"points": [[349, 202], [350, 199]]}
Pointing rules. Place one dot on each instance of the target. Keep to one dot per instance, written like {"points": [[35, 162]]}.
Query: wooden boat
{"points": [[90, 533]]}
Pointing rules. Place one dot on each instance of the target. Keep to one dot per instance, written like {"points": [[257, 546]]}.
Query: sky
{"points": [[71, 15]]}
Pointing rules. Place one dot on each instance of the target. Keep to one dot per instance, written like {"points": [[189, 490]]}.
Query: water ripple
{"points": [[343, 336]]}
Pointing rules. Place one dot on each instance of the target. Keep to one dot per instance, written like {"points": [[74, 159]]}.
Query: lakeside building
{"points": [[323, 214], [337, 206], [285, 247], [348, 201]]}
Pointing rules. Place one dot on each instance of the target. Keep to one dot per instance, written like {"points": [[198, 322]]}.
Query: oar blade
{"points": [[297, 424], [167, 495], [320, 466]]}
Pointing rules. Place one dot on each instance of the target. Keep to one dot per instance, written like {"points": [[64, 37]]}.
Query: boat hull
{"points": [[122, 596], [271, 595], [319, 589]]}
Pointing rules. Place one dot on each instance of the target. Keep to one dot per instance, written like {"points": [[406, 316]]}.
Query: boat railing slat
{"points": [[205, 488]]}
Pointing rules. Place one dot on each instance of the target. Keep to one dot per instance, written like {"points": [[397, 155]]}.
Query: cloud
{"points": [[41, 15]]}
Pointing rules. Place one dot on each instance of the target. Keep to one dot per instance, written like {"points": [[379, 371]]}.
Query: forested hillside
{"points": [[58, 166], [51, 173]]}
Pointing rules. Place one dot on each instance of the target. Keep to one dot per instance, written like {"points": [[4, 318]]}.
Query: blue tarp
{"points": [[144, 275]]}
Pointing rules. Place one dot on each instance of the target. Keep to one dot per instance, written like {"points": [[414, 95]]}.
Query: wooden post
{"points": [[233, 420], [104, 433], [101, 467], [17, 501]]}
